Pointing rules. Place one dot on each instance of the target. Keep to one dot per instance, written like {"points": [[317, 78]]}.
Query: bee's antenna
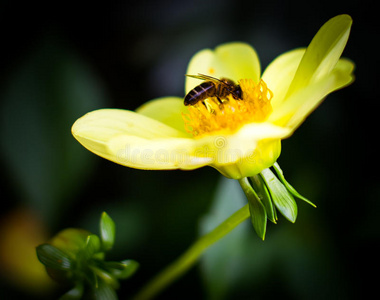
{"points": [[203, 77], [193, 76]]}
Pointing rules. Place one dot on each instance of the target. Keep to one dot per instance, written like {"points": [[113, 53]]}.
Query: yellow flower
{"points": [[238, 137]]}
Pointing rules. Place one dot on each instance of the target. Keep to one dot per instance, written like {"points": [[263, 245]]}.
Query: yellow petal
{"points": [[294, 109], [253, 148], [264, 156], [323, 52], [166, 110], [110, 132], [229, 148], [101, 123], [156, 154], [233, 60], [136, 141], [280, 72]]}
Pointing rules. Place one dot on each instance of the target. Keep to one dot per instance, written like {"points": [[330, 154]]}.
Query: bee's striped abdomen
{"points": [[200, 93]]}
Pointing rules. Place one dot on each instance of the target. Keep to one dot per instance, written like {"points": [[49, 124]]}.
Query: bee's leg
{"points": [[218, 93], [220, 100], [208, 106]]}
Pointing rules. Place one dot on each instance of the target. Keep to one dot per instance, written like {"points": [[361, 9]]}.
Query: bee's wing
{"points": [[205, 77]]}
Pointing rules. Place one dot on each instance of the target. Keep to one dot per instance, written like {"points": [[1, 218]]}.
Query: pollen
{"points": [[229, 115]]}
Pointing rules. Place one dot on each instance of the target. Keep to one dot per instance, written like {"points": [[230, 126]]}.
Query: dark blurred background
{"points": [[60, 60]]}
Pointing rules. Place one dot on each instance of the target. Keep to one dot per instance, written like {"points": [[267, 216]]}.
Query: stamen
{"points": [[229, 116]]}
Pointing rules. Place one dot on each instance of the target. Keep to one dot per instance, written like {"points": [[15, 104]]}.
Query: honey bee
{"points": [[212, 87]]}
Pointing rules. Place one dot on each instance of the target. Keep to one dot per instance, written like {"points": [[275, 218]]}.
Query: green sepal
{"points": [[256, 208], [282, 199], [106, 277], [99, 256], [90, 275], [290, 188], [71, 240], [264, 196], [104, 291], [107, 231], [75, 293], [54, 258], [123, 269], [92, 246]]}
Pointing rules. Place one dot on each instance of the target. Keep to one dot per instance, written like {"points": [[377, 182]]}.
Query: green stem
{"points": [[187, 259]]}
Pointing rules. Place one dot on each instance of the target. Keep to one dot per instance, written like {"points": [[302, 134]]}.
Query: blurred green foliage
{"points": [[62, 61], [44, 96]]}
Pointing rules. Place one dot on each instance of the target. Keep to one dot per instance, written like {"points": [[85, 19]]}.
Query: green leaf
{"points": [[54, 258], [262, 192], [123, 269], [107, 231], [323, 52], [291, 189], [283, 200], [256, 208]]}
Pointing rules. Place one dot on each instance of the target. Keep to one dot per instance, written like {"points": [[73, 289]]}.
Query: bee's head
{"points": [[237, 93]]}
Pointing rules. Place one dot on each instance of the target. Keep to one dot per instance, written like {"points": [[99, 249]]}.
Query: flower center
{"points": [[229, 114]]}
